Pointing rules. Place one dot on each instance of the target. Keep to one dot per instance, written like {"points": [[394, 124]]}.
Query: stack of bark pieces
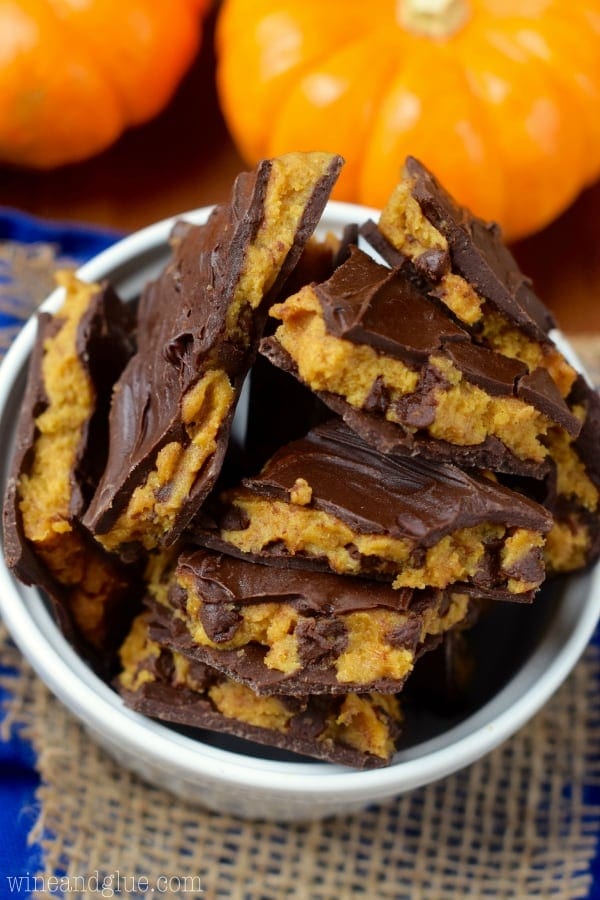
{"points": [[454, 468]]}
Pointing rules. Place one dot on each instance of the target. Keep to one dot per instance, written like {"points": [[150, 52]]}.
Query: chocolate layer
{"points": [[220, 604], [197, 289], [103, 343], [372, 306], [390, 438], [366, 303], [479, 254], [322, 639], [329, 502], [223, 582], [160, 694], [403, 497]]}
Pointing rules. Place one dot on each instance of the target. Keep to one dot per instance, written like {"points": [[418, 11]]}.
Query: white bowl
{"points": [[541, 645]]}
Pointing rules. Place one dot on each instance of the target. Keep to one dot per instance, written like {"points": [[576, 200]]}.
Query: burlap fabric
{"points": [[520, 823], [26, 278]]}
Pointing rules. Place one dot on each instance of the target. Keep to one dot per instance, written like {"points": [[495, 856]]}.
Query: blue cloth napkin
{"points": [[18, 777]]}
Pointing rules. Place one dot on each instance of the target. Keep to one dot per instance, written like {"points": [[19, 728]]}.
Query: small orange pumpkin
{"points": [[500, 98], [76, 73]]}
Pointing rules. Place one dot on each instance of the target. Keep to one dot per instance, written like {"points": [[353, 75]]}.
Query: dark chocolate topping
{"points": [[406, 498], [381, 245], [182, 333], [18, 552], [367, 303], [495, 373], [539, 389], [370, 304], [479, 253], [225, 581], [171, 702], [103, 344]]}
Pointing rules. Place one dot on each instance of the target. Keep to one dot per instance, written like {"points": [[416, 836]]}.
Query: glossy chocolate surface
{"points": [[403, 497], [225, 580], [479, 254], [182, 334], [367, 303]]}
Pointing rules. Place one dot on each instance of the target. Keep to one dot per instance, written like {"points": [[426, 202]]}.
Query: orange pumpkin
{"points": [[75, 73], [500, 98]]}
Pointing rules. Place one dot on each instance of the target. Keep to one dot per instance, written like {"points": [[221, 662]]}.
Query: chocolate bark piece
{"points": [[396, 365], [331, 501], [280, 408], [60, 452], [310, 633], [479, 254], [573, 487], [480, 281], [199, 324], [465, 263], [359, 731]]}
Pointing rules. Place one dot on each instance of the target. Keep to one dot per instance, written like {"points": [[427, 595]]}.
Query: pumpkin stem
{"points": [[433, 18]]}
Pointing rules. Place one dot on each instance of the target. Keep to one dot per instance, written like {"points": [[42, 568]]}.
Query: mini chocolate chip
{"points": [[433, 264], [220, 621], [378, 398], [320, 640], [406, 635], [177, 347]]}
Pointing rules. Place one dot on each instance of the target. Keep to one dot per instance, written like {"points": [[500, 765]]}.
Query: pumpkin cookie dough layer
{"points": [[330, 501], [61, 441], [199, 325], [573, 487], [351, 729], [463, 262], [404, 375], [306, 633]]}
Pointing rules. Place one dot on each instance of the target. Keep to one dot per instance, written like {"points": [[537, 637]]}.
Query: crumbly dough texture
{"points": [[462, 413], [404, 225], [370, 653], [90, 580], [313, 533], [366, 722]]}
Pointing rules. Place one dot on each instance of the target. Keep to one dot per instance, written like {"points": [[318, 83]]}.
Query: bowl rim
{"points": [[101, 709]]}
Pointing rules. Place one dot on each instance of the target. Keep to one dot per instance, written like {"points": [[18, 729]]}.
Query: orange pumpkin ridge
{"points": [[498, 97]]}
